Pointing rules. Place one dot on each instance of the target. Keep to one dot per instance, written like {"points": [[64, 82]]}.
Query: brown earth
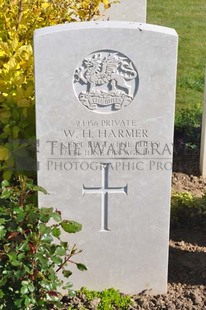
{"points": [[187, 263], [194, 184]]}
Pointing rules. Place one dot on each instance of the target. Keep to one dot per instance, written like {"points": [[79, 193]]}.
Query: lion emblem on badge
{"points": [[106, 81]]}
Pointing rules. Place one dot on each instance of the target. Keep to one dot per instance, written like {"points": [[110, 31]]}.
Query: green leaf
{"points": [[18, 303], [2, 232], [42, 228], [31, 287], [46, 211], [24, 290], [43, 260], [1, 294], [47, 237], [13, 259], [27, 269], [3, 281], [25, 283], [24, 246], [27, 301], [7, 174], [81, 267], [4, 183], [44, 218], [56, 216], [6, 193], [12, 256], [21, 256], [67, 273], [56, 232], [56, 259], [15, 263], [2, 221], [64, 244], [19, 273], [52, 249], [20, 214], [68, 287], [45, 214], [71, 226], [39, 189], [60, 251]]}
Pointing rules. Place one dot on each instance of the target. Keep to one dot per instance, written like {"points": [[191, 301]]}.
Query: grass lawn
{"points": [[188, 17]]}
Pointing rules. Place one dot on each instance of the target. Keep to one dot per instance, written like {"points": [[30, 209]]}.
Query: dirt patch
{"points": [[194, 184]]}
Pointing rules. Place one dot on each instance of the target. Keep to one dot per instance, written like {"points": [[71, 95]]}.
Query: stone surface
{"points": [[105, 95], [203, 139], [126, 10]]}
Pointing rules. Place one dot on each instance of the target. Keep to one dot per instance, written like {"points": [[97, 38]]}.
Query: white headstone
{"points": [[126, 10], [105, 94], [203, 139]]}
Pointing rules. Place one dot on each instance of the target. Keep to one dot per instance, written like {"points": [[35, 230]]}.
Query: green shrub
{"points": [[109, 299], [18, 20], [189, 118], [188, 210], [32, 250]]}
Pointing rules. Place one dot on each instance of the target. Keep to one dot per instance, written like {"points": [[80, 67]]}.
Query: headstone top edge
{"points": [[104, 24]]}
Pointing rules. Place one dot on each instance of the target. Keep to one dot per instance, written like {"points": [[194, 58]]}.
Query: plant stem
{"points": [[19, 13]]}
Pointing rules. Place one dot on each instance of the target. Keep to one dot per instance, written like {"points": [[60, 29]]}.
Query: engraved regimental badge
{"points": [[106, 81]]}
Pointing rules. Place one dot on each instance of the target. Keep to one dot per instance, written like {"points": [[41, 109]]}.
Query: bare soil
{"points": [[182, 182]]}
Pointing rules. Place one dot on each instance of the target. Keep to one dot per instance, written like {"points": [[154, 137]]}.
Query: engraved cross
{"points": [[104, 190]]}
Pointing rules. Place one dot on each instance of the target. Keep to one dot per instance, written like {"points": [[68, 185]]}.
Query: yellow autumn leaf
{"points": [[16, 59], [2, 85], [15, 131], [23, 103], [4, 47], [106, 3], [19, 93], [24, 49], [29, 91], [11, 63], [18, 80], [14, 43], [82, 13], [4, 153], [2, 98], [7, 175], [45, 5], [2, 53], [4, 115]]}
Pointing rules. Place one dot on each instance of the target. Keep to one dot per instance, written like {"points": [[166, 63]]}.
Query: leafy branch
{"points": [[30, 249]]}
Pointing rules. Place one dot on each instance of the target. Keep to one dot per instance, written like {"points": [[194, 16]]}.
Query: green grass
{"points": [[108, 299], [188, 18]]}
